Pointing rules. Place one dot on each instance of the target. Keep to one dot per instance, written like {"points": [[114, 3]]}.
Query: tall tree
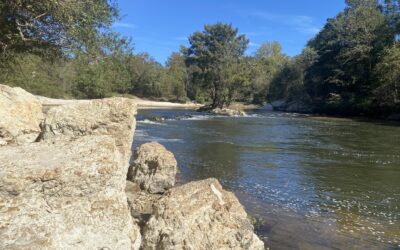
{"points": [[348, 47], [391, 9], [215, 51], [177, 77], [269, 60], [288, 83], [387, 75]]}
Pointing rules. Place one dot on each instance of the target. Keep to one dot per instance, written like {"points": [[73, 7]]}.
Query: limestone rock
{"points": [[199, 215], [20, 116], [65, 195], [112, 116], [140, 202], [154, 168], [228, 112]]}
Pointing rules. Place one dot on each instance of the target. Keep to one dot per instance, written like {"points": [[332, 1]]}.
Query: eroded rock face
{"points": [[112, 116], [199, 215], [67, 191], [65, 195], [20, 116], [154, 168]]}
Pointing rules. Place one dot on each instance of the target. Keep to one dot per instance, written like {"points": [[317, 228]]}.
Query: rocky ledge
{"points": [[63, 184]]}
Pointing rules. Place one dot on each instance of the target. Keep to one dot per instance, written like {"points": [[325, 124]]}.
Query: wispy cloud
{"points": [[124, 25], [301, 23], [251, 44], [181, 38], [255, 33]]}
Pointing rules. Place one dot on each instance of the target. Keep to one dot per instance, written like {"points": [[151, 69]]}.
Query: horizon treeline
{"points": [[68, 50]]}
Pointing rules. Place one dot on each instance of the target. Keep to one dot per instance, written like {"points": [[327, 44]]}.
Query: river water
{"points": [[309, 182]]}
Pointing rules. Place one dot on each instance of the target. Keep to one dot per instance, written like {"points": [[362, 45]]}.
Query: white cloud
{"points": [[251, 44], [301, 23], [124, 25], [256, 33], [181, 38]]}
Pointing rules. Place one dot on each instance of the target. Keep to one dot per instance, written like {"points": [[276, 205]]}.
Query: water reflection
{"points": [[316, 182]]}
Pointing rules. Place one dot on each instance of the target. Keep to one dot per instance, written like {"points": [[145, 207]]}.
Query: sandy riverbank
{"points": [[142, 103]]}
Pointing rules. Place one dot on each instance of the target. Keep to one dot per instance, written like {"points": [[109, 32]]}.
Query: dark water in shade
{"points": [[311, 183]]}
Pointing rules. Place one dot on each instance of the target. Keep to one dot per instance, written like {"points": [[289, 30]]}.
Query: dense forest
{"points": [[67, 49]]}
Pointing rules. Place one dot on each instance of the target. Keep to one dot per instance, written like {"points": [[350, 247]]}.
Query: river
{"points": [[309, 182]]}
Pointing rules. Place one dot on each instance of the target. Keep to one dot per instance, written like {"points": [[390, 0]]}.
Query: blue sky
{"points": [[159, 27]]}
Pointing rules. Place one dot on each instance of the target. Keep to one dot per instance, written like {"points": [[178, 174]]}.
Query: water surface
{"points": [[310, 182]]}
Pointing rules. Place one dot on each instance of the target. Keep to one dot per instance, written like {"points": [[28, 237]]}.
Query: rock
{"points": [[21, 114], [298, 107], [65, 195], [279, 105], [140, 202], [295, 106], [199, 215], [267, 107], [154, 168], [112, 116], [227, 112]]}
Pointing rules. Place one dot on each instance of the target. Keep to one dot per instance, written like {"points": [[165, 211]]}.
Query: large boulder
{"points": [[65, 195], [67, 190], [112, 116], [153, 168], [199, 215], [20, 116]]}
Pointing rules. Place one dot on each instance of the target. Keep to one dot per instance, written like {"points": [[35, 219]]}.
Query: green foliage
{"points": [[65, 49], [348, 47], [215, 52], [38, 75], [269, 60], [288, 84], [146, 76], [387, 74], [177, 78], [351, 66], [49, 27]]}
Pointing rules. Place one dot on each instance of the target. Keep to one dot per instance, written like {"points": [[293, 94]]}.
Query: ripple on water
{"points": [[315, 183]]}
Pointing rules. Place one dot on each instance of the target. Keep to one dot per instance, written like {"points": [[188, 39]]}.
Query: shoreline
{"points": [[141, 103], [65, 160], [149, 104]]}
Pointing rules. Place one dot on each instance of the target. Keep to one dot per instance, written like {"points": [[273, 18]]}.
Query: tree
{"points": [[269, 61], [147, 76], [177, 77], [347, 47], [215, 51], [49, 27], [387, 74], [52, 78], [391, 9], [288, 83]]}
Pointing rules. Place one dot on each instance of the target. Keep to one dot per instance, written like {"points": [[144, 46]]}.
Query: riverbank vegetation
{"points": [[64, 49], [351, 66]]}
